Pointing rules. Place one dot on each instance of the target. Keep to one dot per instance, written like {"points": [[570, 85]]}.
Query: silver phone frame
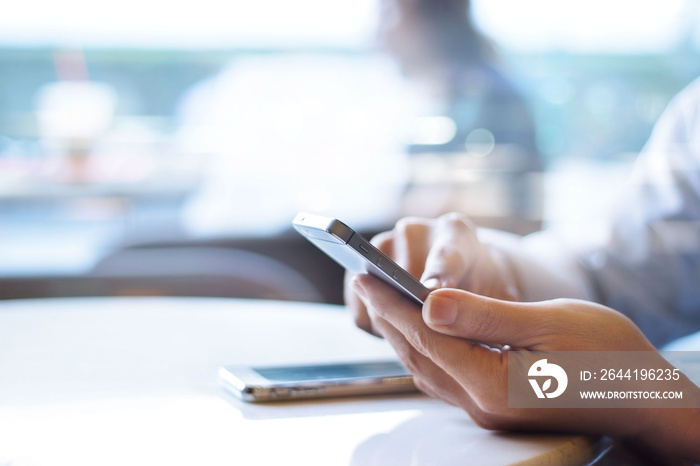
{"points": [[249, 385], [356, 254]]}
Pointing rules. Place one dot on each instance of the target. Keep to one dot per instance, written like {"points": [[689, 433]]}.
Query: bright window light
{"points": [[188, 24], [591, 26]]}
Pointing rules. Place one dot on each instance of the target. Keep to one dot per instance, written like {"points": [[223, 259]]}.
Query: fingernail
{"points": [[441, 310], [357, 287], [432, 284]]}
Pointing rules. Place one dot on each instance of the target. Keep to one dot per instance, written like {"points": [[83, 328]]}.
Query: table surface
{"points": [[104, 381]]}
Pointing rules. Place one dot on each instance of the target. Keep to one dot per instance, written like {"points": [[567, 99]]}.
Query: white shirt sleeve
{"points": [[648, 267]]}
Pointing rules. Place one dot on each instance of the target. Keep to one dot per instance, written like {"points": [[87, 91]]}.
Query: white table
{"points": [[133, 381]]}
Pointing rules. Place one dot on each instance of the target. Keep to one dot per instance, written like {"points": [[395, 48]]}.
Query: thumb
{"points": [[487, 320]]}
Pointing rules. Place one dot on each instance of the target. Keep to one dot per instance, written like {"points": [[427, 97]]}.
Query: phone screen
{"points": [[331, 372]]}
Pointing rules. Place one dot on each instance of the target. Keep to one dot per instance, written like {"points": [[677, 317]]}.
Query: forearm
{"points": [[544, 268]]}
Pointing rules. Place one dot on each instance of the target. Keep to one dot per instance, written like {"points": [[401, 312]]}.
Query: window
{"points": [[145, 118]]}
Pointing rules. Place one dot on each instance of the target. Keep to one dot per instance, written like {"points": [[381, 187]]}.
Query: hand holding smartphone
{"points": [[356, 254]]}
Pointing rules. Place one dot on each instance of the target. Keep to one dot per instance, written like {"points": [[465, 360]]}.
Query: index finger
{"points": [[447, 261]]}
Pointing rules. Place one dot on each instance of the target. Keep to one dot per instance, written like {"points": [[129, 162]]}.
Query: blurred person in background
{"points": [[308, 124], [473, 109]]}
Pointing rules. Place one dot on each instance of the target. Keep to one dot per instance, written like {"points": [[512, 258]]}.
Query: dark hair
{"points": [[450, 24]]}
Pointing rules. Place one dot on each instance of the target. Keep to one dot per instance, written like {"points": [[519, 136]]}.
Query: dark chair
{"points": [[173, 271], [288, 248]]}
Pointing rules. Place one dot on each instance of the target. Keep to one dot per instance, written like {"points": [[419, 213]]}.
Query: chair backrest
{"points": [[201, 271]]}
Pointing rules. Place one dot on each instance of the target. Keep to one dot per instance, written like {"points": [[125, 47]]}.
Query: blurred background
{"points": [[153, 148]]}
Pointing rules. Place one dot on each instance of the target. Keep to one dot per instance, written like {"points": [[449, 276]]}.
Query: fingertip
{"points": [[438, 280], [432, 283], [435, 277]]}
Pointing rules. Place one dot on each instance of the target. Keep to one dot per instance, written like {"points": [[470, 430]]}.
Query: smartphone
{"points": [[293, 382], [349, 249]]}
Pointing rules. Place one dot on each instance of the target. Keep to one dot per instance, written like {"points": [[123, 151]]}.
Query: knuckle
{"points": [[492, 403], [406, 222], [491, 416], [410, 226], [457, 221], [445, 254], [488, 421], [411, 360], [423, 386], [402, 226], [383, 241], [363, 321], [486, 325], [421, 340]]}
